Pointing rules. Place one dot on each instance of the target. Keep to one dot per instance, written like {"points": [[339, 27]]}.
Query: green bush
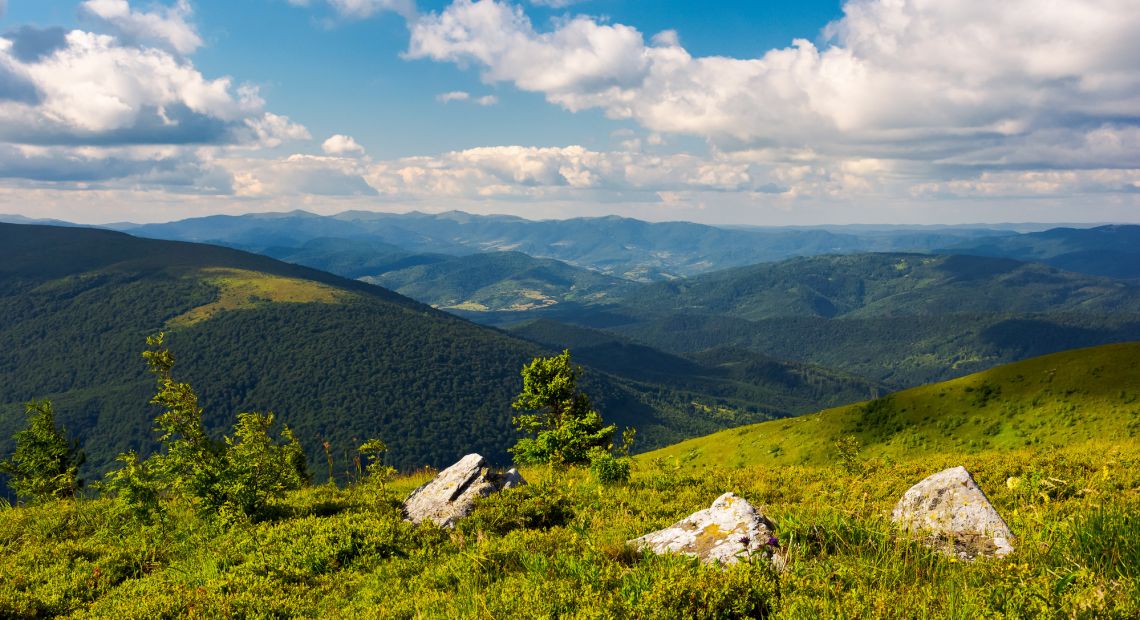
{"points": [[607, 468], [532, 506]]}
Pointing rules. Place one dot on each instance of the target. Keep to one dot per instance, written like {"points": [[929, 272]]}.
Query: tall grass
{"points": [[556, 549]]}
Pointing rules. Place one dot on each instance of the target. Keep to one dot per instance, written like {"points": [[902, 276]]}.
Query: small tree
{"points": [[192, 461], [561, 425], [45, 465], [236, 477]]}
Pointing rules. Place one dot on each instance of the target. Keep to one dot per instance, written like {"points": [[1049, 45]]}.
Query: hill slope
{"points": [[1055, 400], [864, 285], [1112, 251], [337, 359], [725, 372], [497, 281]]}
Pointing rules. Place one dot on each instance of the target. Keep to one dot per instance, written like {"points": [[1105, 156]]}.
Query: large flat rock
{"points": [[727, 531], [451, 495], [956, 515]]}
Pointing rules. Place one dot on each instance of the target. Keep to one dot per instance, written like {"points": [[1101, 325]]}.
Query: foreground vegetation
{"points": [[1054, 400], [210, 529], [215, 530], [556, 549]]}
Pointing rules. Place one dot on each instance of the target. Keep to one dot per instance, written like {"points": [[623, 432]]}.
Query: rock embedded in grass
{"points": [[451, 495], [731, 529], [956, 515]]}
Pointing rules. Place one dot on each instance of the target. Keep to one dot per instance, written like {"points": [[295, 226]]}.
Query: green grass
{"points": [[240, 289], [556, 549], [1056, 400]]}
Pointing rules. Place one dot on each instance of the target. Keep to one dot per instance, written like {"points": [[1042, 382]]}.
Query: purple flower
{"points": [[773, 541]]}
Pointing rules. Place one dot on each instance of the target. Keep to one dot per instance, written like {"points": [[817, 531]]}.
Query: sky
{"points": [[752, 112]]}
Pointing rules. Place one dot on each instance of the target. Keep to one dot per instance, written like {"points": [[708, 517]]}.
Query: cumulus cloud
{"points": [[455, 95], [340, 145], [904, 78], [168, 27], [86, 110], [554, 4], [95, 90], [459, 95], [362, 9]]}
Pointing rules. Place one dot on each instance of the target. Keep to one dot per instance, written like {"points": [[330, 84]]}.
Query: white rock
{"points": [[451, 495], [730, 529], [956, 514]]}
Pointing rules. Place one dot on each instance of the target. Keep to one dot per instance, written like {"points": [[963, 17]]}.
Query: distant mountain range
{"points": [[813, 300], [1112, 251], [336, 358], [620, 247], [902, 319]]}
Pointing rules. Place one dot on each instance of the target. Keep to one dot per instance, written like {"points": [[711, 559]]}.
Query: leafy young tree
{"points": [[45, 464], [233, 478], [256, 467], [192, 460], [561, 425]]}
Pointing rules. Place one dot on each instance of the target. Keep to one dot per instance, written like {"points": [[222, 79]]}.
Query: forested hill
{"points": [[865, 285], [336, 359], [1112, 250], [34, 253]]}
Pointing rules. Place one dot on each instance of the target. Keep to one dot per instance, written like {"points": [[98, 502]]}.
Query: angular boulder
{"points": [[956, 515], [725, 532], [451, 495]]}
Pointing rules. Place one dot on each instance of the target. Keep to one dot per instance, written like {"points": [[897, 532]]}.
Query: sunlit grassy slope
{"points": [[1060, 399], [241, 289]]}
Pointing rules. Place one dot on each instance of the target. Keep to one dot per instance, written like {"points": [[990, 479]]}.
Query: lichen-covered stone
{"points": [[451, 495], [727, 531], [956, 515]]}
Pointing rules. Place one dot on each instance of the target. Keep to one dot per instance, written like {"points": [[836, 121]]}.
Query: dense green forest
{"points": [[1104, 250], [336, 359], [868, 285], [498, 281]]}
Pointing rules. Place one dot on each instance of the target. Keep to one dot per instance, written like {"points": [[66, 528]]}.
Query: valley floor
{"points": [[555, 549]]}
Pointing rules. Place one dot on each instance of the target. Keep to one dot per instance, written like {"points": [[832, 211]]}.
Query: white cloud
{"points": [[339, 145], [459, 95], [165, 26], [554, 4], [455, 95], [362, 9], [911, 79], [95, 90]]}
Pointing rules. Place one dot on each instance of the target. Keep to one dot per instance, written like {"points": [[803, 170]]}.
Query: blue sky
{"points": [[893, 111]]}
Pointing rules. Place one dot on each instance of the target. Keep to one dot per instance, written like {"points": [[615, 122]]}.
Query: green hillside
{"points": [[724, 371], [865, 285], [1104, 250], [497, 281], [337, 359], [1055, 400], [899, 351]]}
